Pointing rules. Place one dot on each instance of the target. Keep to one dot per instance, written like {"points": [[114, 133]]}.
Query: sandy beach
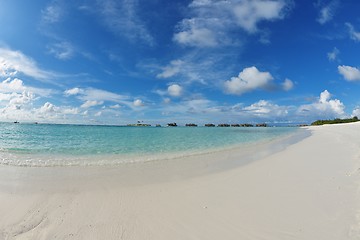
{"points": [[306, 190]]}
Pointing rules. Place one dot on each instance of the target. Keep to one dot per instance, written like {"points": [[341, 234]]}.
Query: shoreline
{"points": [[305, 190], [118, 160]]}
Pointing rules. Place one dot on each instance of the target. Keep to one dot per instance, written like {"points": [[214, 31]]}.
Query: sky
{"points": [[159, 61]]}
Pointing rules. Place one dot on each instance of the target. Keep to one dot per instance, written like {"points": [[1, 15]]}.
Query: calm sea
{"points": [[63, 145]]}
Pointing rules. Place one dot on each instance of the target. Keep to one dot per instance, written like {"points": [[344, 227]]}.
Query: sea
{"points": [[44, 145]]}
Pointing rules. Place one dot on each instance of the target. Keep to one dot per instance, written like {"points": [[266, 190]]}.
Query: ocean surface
{"points": [[66, 145]]}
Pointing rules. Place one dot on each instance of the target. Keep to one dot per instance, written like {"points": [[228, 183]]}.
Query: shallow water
{"points": [[58, 145]]}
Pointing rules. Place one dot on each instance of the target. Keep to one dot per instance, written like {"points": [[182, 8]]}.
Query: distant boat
{"points": [[16, 122], [172, 124]]}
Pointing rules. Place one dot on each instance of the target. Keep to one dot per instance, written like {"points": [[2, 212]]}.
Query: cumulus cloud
{"points": [[287, 85], [248, 80], [349, 73], [175, 90], [51, 112], [211, 21], [12, 85], [15, 85], [249, 13], [138, 103], [324, 108], [356, 112], [48, 107], [354, 35], [327, 12]]}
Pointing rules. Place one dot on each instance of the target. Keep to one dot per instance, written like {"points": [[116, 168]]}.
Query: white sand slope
{"points": [[308, 191]]}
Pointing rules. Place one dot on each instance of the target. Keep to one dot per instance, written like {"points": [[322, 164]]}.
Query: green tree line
{"points": [[335, 121]]}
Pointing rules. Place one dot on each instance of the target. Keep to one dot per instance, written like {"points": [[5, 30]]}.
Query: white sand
{"points": [[310, 190]]}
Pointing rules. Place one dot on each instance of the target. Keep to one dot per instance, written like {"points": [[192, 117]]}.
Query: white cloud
{"points": [[93, 97], [138, 103], [98, 114], [332, 56], [15, 61], [266, 109], [70, 111], [171, 70], [48, 108], [175, 90], [193, 36], [287, 85], [12, 85], [19, 100], [196, 67], [116, 106], [121, 17], [211, 21], [91, 103], [354, 35], [356, 112], [248, 80], [16, 85], [53, 13], [102, 95], [62, 50], [349, 73], [73, 91], [53, 113], [91, 94], [324, 108], [327, 12], [250, 12]]}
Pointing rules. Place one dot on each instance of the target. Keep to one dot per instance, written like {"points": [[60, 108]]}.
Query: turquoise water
{"points": [[57, 145]]}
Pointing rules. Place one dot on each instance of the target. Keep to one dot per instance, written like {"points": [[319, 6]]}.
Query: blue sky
{"points": [[159, 61]]}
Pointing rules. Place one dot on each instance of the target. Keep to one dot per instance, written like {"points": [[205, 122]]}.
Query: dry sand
{"points": [[309, 190]]}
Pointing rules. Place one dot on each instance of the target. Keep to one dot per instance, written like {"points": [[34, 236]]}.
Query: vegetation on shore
{"points": [[335, 121]]}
